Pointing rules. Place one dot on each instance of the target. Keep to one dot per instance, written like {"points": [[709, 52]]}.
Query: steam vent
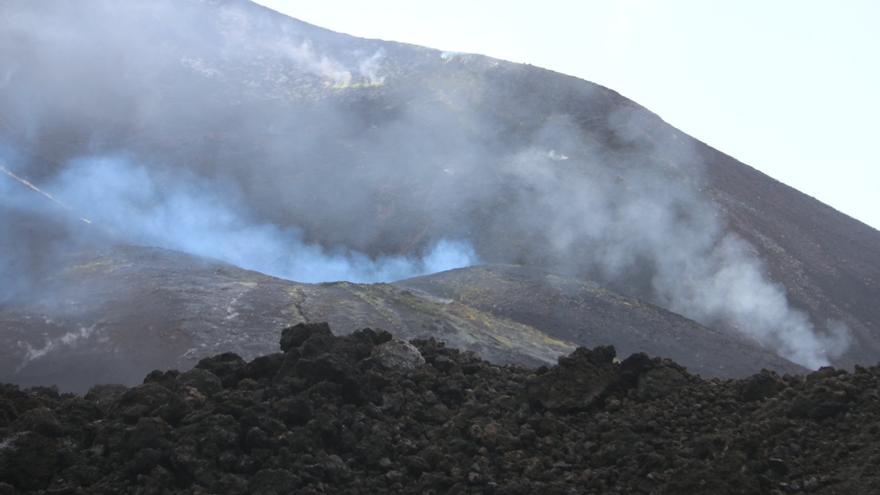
{"points": [[243, 254]]}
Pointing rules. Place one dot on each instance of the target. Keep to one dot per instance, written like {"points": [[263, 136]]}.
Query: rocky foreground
{"points": [[366, 414]]}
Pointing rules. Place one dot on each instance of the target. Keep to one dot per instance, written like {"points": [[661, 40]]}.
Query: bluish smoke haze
{"points": [[176, 210]]}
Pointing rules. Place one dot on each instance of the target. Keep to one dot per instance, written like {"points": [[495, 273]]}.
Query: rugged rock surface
{"points": [[327, 416]]}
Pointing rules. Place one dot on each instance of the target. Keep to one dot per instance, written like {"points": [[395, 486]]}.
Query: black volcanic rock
{"points": [[398, 354], [296, 335], [761, 386], [455, 424], [577, 382], [229, 367]]}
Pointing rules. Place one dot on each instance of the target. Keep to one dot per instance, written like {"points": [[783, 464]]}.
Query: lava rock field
{"points": [[365, 413]]}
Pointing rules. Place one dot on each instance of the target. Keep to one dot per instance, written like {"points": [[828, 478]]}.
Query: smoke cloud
{"points": [[642, 226], [222, 129], [170, 209]]}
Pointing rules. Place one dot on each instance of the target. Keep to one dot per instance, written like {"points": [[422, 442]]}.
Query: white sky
{"points": [[790, 87]]}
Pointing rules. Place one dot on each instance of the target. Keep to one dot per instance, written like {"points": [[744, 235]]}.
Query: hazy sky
{"points": [[789, 87]]}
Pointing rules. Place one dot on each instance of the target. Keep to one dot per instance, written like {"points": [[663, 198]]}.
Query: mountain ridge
{"points": [[137, 309]]}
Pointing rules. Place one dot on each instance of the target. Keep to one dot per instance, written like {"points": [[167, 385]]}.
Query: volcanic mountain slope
{"points": [[136, 309], [261, 124], [588, 315], [828, 262], [120, 313]]}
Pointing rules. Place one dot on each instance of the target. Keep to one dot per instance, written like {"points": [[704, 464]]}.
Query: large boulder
{"points": [[761, 386], [579, 381], [295, 336], [398, 354]]}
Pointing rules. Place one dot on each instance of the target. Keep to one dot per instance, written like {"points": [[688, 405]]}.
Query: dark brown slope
{"points": [[828, 261], [588, 315], [114, 315]]}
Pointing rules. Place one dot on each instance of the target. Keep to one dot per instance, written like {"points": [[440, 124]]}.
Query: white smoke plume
{"points": [[646, 229], [305, 57]]}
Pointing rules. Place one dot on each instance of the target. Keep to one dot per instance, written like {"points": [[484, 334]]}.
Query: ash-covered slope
{"points": [[828, 262], [226, 130], [367, 414], [114, 315], [588, 315]]}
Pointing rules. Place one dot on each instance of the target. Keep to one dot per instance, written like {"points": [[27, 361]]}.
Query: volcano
{"points": [[219, 171]]}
